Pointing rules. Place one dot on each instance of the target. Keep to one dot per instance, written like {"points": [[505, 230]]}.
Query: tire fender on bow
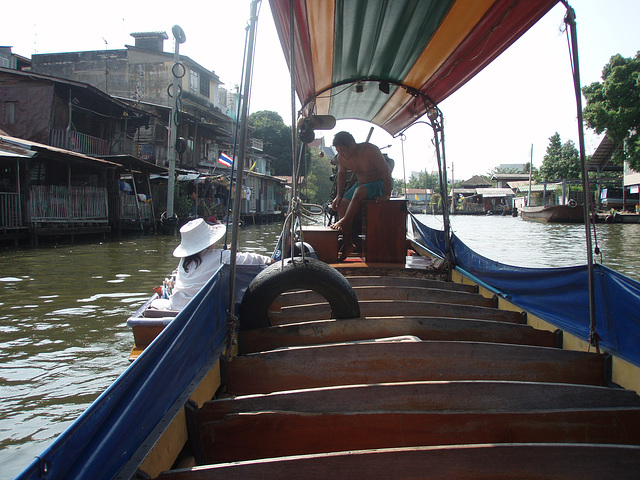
{"points": [[296, 274]]}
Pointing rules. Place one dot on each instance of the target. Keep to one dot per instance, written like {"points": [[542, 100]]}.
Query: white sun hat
{"points": [[198, 235]]}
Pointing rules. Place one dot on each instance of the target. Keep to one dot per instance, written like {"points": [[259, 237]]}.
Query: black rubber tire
{"points": [[295, 274]]}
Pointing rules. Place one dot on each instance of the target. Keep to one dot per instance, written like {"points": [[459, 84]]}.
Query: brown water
{"points": [[63, 332], [63, 336]]}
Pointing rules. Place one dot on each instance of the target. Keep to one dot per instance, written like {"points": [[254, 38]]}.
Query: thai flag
{"points": [[225, 160]]}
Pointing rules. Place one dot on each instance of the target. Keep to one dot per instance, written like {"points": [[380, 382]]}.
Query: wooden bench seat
{"points": [[403, 293], [460, 396], [396, 281], [425, 328], [233, 438], [462, 462], [361, 363], [391, 308]]}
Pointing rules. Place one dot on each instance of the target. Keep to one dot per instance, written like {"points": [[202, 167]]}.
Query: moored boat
{"points": [[418, 360], [554, 213], [618, 217]]}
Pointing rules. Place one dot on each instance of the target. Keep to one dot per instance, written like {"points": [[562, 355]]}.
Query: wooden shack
{"points": [[52, 191], [133, 205]]}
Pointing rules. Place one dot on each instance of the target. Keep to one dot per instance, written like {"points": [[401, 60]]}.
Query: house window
{"points": [[204, 86], [10, 112], [193, 80]]}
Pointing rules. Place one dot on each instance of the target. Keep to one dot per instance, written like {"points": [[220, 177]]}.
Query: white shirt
{"points": [[189, 283]]}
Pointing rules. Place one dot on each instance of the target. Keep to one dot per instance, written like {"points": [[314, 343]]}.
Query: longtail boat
{"points": [[421, 359], [553, 214]]}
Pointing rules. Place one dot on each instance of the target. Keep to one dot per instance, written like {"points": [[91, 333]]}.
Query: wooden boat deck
{"points": [[433, 381]]}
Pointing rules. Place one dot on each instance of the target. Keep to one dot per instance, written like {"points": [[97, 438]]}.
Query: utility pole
{"points": [[180, 37]]}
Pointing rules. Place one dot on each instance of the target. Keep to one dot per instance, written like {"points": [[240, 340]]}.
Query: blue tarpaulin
{"points": [[557, 295]]}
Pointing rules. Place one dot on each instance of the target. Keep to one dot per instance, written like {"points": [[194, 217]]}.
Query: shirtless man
{"points": [[374, 181]]}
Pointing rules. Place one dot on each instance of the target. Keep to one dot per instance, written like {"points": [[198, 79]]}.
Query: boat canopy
{"points": [[376, 60]]}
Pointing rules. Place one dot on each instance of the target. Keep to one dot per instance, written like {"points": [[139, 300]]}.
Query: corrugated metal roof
{"points": [[135, 163], [149, 35], [40, 148], [495, 192], [467, 191], [601, 158], [8, 149], [540, 187], [518, 184]]}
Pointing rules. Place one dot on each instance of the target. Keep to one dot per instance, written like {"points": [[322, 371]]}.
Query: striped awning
{"points": [[350, 53]]}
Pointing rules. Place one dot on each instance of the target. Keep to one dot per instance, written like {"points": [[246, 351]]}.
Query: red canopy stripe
{"points": [[504, 23]]}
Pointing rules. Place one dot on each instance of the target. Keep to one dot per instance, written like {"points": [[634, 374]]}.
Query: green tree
{"points": [[276, 136], [613, 106], [534, 170], [398, 186], [424, 180], [561, 160]]}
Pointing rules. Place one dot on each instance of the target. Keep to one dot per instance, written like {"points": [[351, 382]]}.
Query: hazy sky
{"points": [[520, 100]]}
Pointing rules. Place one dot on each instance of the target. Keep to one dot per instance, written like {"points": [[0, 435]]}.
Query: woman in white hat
{"points": [[199, 260]]}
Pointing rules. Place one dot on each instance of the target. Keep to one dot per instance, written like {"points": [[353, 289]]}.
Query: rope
{"points": [[235, 139], [592, 211], [232, 329]]}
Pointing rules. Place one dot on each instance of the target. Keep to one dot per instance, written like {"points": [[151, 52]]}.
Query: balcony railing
{"points": [[79, 142], [10, 211], [88, 145], [68, 205]]}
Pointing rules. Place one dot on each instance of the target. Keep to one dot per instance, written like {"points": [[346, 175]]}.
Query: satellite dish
{"points": [[178, 34]]}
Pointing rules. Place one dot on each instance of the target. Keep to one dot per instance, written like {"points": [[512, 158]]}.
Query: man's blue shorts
{"points": [[374, 189]]}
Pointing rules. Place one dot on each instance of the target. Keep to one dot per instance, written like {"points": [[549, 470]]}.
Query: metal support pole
{"points": [[173, 134], [293, 203], [242, 145], [570, 20], [436, 124]]}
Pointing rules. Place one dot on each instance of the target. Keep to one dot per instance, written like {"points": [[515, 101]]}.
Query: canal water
{"points": [[63, 310]]}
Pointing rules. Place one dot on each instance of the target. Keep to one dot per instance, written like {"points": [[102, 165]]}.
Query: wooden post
{"points": [[153, 212], [135, 192]]}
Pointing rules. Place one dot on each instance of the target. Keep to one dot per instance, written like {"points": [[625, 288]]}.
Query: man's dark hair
{"points": [[343, 139]]}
